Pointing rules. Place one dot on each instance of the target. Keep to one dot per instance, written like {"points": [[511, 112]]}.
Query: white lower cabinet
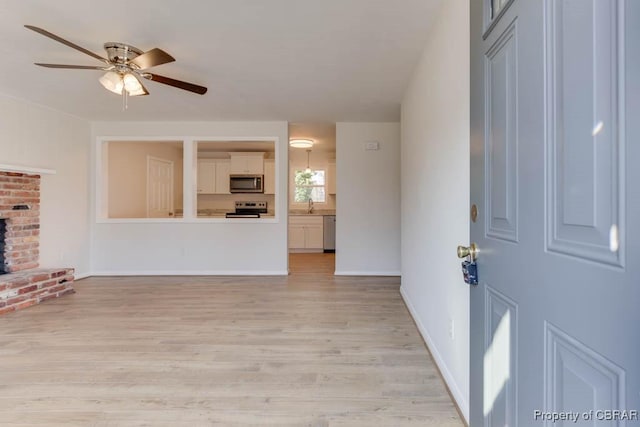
{"points": [[313, 236], [306, 232], [296, 237]]}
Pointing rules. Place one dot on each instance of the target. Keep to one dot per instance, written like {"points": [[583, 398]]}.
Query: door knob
{"points": [[465, 251]]}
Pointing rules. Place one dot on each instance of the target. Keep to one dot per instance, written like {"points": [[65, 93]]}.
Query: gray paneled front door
{"points": [[555, 175]]}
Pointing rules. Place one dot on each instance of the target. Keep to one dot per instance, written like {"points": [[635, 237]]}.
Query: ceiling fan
{"points": [[124, 67]]}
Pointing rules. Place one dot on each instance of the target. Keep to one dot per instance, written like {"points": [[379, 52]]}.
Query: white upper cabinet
{"points": [[213, 176], [206, 176], [255, 164], [269, 176], [222, 177], [247, 163]]}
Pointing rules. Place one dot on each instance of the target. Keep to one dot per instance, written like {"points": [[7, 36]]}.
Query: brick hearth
{"points": [[25, 284], [29, 287]]}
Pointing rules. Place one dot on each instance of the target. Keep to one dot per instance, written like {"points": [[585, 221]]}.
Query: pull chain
{"points": [[125, 103]]}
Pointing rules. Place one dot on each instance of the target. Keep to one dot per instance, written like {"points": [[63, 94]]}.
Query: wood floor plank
{"points": [[310, 349]]}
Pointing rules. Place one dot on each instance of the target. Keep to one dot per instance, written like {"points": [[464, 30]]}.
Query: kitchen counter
{"points": [[213, 212], [221, 213], [316, 212]]}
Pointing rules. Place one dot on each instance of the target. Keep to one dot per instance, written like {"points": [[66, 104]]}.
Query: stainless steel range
{"points": [[248, 210]]}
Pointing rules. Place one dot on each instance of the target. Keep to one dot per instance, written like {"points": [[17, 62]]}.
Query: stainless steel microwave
{"points": [[246, 183]]}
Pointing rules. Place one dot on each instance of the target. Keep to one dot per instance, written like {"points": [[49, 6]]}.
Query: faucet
{"points": [[310, 205]]}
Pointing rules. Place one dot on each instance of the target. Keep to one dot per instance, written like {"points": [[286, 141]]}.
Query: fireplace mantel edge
{"points": [[26, 170]]}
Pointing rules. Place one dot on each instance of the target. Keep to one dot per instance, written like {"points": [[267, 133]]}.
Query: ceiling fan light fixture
{"points": [[112, 81], [131, 84], [301, 143], [137, 92], [124, 67]]}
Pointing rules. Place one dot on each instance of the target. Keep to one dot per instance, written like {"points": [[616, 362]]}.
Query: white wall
{"points": [[368, 199], [435, 195], [228, 247], [34, 136]]}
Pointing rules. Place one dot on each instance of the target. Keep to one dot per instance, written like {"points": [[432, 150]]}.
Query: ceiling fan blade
{"points": [[73, 67], [200, 90], [152, 58], [65, 42]]}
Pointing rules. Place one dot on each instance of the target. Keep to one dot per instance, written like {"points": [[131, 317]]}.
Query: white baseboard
{"points": [[460, 399], [367, 273], [190, 273], [80, 276]]}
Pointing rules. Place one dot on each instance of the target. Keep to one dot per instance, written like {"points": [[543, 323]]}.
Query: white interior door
{"points": [[159, 187], [555, 148]]}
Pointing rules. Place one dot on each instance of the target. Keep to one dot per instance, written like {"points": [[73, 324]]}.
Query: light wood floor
{"points": [[312, 263], [303, 350]]}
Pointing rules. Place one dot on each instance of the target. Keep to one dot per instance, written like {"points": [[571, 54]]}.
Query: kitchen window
{"points": [[310, 184]]}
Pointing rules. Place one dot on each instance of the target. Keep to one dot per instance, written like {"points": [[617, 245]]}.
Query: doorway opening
{"points": [[312, 197]]}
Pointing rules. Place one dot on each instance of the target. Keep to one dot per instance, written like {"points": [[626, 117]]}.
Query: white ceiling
{"points": [[323, 135], [294, 60], [236, 146]]}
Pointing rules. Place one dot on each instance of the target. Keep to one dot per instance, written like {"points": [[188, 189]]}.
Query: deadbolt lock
{"points": [[474, 212]]}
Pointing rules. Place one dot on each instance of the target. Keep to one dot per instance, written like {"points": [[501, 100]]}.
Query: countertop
{"points": [[220, 213], [213, 212], [316, 212]]}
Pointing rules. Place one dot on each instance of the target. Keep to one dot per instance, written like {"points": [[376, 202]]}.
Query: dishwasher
{"points": [[329, 233]]}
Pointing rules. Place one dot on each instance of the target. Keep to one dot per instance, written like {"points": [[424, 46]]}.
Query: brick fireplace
{"points": [[22, 283]]}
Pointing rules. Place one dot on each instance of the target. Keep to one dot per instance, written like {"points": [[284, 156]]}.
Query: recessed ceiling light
{"points": [[301, 143]]}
